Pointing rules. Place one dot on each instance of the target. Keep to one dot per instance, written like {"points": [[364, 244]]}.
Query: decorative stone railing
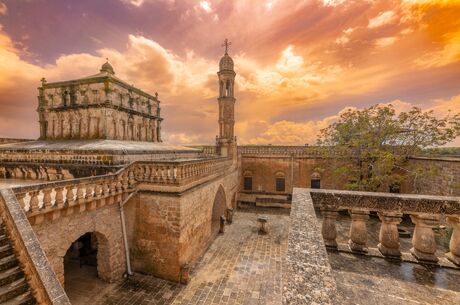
{"points": [[55, 199], [426, 212], [179, 175], [287, 151], [41, 278]]}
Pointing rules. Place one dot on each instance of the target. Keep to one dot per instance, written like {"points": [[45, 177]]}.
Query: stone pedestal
{"points": [[358, 230], [423, 242], [454, 245], [262, 224], [328, 228], [389, 236]]}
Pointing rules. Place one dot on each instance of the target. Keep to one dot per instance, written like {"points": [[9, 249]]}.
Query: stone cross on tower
{"points": [[226, 44]]}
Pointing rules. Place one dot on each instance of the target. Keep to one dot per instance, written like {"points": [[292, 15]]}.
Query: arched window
{"points": [[280, 182], [315, 182], [247, 181]]}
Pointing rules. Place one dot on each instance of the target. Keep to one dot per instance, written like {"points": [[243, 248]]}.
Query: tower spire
{"points": [[226, 45]]}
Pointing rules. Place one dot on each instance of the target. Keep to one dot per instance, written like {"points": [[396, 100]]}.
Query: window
{"points": [[280, 185], [247, 183], [315, 182]]}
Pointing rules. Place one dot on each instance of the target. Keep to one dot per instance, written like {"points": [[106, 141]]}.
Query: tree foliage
{"points": [[369, 149]]}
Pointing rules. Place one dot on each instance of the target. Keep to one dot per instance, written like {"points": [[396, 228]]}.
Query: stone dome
{"points": [[226, 63], [107, 68]]}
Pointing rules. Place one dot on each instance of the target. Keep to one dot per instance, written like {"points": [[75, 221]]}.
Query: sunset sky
{"points": [[298, 63]]}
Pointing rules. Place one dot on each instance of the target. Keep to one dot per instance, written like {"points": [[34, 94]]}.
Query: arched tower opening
{"points": [[219, 208]]}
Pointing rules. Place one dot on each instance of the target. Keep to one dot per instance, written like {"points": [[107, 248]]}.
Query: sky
{"points": [[299, 63]]}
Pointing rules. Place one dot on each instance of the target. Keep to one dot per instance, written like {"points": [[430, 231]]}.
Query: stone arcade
{"points": [[101, 188]]}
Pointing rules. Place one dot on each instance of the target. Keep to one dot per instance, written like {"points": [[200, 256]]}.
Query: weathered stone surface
{"points": [[307, 277]]}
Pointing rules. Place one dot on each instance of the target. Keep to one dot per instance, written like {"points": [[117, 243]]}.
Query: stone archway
{"points": [[218, 209], [105, 269]]}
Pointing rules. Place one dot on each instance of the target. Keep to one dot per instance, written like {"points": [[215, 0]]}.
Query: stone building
{"points": [[99, 106], [100, 187]]}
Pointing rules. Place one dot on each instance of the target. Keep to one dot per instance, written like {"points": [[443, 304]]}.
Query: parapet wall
{"points": [[307, 275]]}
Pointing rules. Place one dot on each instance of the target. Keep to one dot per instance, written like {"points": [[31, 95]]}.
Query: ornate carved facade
{"points": [[98, 107]]}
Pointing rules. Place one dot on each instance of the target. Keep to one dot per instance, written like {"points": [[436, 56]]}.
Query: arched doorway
{"points": [[218, 209], [86, 267], [315, 181]]}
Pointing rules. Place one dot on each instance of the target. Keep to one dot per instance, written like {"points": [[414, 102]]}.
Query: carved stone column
{"points": [[328, 229], [358, 230], [454, 245], [423, 242], [389, 236]]}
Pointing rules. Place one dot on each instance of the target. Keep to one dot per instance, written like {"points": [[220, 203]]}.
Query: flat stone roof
{"points": [[108, 146]]}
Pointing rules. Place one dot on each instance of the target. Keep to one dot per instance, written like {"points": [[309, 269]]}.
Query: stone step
{"points": [[24, 299], [13, 290], [4, 240], [6, 250], [8, 262], [10, 275]]}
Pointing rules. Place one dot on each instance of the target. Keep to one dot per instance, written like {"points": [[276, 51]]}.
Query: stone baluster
{"points": [[175, 173], [34, 203], [47, 198], [69, 196], [358, 230], [59, 200], [152, 173], [147, 173], [89, 191], [113, 187], [97, 190], [388, 235], [20, 198], [454, 245], [328, 229], [119, 185], [131, 180], [106, 188], [423, 242], [80, 193], [140, 175], [125, 182]]}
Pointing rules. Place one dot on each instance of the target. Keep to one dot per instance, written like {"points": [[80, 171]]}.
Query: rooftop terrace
{"points": [[289, 265]]}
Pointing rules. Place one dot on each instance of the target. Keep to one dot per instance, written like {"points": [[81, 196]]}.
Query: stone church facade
{"points": [[100, 106]]}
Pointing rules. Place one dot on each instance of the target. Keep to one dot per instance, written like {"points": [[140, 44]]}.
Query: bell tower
{"points": [[226, 140]]}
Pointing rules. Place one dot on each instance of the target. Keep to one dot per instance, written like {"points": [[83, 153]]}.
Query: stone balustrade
{"points": [[48, 201], [177, 173], [52, 200], [426, 212]]}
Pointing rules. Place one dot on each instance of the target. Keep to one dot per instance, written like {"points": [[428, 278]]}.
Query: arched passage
{"points": [[88, 256], [218, 209]]}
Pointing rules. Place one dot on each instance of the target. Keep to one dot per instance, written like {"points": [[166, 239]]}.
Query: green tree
{"points": [[370, 149]]}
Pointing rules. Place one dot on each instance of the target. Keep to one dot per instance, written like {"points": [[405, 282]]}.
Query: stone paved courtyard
{"points": [[240, 267], [243, 267]]}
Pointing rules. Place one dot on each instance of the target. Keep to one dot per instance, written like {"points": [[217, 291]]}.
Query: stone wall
{"points": [[155, 241], [57, 236], [172, 230], [307, 275], [444, 181], [197, 219], [267, 163]]}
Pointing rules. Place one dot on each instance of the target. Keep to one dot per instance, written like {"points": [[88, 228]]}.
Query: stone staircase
{"points": [[14, 289]]}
